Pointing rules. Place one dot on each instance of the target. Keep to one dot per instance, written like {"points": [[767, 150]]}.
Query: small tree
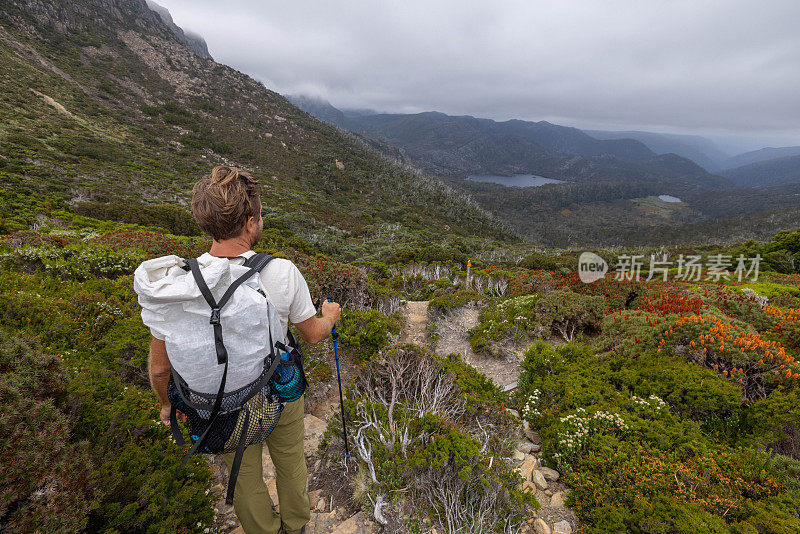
{"points": [[567, 313]]}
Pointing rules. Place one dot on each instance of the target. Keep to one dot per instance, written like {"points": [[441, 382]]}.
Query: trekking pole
{"points": [[335, 337]]}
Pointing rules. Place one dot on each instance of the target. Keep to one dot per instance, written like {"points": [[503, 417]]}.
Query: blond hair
{"points": [[223, 202]]}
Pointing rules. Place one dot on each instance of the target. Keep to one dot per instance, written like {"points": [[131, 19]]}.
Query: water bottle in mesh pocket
{"points": [[289, 381]]}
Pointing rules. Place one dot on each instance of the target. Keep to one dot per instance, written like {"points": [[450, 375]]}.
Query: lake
{"points": [[668, 198], [518, 180]]}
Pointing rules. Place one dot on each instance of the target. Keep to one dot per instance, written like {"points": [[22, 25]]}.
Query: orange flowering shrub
{"points": [[787, 324], [734, 352]]}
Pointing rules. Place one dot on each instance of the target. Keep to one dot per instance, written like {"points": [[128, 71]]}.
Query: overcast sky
{"points": [[727, 67]]}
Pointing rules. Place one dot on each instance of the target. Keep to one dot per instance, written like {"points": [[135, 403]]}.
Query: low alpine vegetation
{"points": [[431, 442]]}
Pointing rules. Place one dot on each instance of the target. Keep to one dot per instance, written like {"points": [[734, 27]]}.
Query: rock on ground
{"points": [[358, 524], [540, 526], [527, 467], [562, 527], [549, 474], [538, 478], [557, 500]]}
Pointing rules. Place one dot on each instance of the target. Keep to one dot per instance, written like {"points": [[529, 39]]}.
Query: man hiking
{"points": [[227, 206]]}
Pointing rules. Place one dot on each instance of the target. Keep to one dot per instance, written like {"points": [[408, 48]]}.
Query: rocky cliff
{"points": [[193, 42]]}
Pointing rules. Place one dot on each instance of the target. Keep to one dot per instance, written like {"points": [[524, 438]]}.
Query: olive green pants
{"points": [[251, 498]]}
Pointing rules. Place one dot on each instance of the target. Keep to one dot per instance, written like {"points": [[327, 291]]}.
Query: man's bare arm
{"points": [[158, 369], [315, 329]]}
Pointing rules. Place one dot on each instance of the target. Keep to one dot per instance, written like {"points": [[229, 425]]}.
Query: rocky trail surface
{"points": [[331, 517], [452, 337], [553, 517]]}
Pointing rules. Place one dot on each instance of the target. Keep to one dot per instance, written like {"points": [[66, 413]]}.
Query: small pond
{"points": [[518, 180]]}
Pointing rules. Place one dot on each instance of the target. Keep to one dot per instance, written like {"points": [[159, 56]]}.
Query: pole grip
{"points": [[334, 333]]}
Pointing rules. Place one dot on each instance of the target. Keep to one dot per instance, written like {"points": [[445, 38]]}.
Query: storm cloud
{"points": [[697, 66]]}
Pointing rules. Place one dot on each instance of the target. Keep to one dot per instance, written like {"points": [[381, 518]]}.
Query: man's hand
{"points": [[165, 409], [331, 311], [315, 329]]}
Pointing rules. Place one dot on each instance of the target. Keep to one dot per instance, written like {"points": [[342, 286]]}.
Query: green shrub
{"points": [[174, 219], [382, 297], [136, 458], [113, 422], [526, 282], [543, 359], [547, 262], [363, 333], [81, 262], [474, 385], [734, 303], [567, 313], [509, 321], [95, 148], [771, 289], [649, 441], [416, 439], [449, 448], [47, 479], [326, 278], [617, 294], [151, 243], [450, 301], [775, 422], [318, 371]]}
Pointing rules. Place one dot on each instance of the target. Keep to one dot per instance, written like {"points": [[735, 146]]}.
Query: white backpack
{"points": [[232, 388]]}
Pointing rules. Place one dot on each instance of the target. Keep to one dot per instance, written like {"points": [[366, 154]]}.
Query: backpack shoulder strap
{"points": [[258, 261]]}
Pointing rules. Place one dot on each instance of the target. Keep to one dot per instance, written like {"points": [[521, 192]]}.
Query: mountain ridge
{"points": [[698, 149], [124, 111], [193, 42], [775, 171], [762, 154], [457, 146]]}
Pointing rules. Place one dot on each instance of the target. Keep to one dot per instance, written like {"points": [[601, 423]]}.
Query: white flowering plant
{"points": [[78, 262], [649, 408], [530, 410], [577, 428]]}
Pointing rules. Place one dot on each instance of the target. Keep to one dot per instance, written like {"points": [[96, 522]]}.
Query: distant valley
{"points": [[609, 182]]}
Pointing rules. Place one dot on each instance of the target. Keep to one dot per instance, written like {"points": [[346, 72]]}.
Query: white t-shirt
{"points": [[286, 288]]}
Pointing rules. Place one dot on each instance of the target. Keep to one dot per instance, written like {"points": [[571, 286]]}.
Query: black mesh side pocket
{"points": [[197, 421]]}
